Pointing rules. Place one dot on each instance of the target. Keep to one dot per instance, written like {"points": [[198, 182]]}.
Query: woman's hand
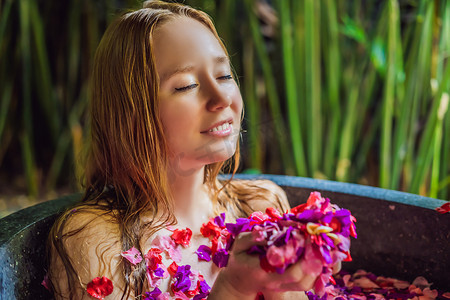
{"points": [[243, 277]]}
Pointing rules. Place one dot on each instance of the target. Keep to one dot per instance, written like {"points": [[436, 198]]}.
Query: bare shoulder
{"points": [[87, 240], [276, 196]]}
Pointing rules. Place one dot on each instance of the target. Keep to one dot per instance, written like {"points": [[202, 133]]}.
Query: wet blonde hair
{"points": [[126, 162]]}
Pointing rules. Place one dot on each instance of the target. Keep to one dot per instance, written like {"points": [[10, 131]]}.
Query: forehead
{"points": [[183, 40]]}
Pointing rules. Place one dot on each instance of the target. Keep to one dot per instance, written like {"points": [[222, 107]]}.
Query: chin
{"points": [[220, 157]]}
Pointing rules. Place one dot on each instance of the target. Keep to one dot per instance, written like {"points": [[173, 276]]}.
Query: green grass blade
{"points": [[291, 89], [423, 63], [333, 75], [73, 54], [298, 15], [348, 131], [4, 18], [313, 84], [272, 94], [388, 95], [435, 168], [43, 75], [434, 123], [444, 51], [252, 111], [416, 67], [27, 137], [56, 165], [4, 106]]}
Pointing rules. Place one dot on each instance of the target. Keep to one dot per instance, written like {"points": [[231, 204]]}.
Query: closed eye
{"points": [[226, 77], [188, 87]]}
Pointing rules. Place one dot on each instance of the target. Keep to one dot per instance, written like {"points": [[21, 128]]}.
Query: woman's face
{"points": [[200, 102]]}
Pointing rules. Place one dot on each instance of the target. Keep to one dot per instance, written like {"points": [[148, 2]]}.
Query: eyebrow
{"points": [[188, 68]]}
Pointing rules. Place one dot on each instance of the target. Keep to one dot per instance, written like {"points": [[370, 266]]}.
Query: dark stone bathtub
{"points": [[399, 235]]}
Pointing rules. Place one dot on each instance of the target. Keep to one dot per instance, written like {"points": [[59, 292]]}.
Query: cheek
{"points": [[238, 103], [177, 118]]}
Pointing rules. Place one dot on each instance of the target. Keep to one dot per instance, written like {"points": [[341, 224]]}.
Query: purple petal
{"points": [[220, 220], [204, 287], [204, 253], [220, 258], [327, 240], [342, 213], [309, 215], [326, 254], [153, 295], [327, 217], [182, 281], [159, 272], [238, 227]]}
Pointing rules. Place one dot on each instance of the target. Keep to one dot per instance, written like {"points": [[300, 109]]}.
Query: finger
{"points": [[244, 241], [296, 277], [296, 286], [337, 267]]}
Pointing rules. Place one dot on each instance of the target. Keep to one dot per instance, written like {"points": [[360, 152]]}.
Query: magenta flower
{"points": [[315, 234], [220, 258], [153, 295], [204, 253], [181, 278], [132, 255], [220, 220]]}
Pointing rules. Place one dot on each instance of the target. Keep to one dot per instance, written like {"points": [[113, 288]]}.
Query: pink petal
{"points": [[347, 282], [132, 255], [377, 296], [259, 234], [170, 228], [167, 244], [175, 254], [290, 251], [321, 281], [276, 257], [365, 283], [153, 280], [165, 296], [46, 283], [432, 294], [180, 295], [421, 282], [400, 284], [163, 242], [360, 273], [311, 263]]}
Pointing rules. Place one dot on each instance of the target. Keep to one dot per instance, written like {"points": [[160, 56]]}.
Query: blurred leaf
{"points": [[378, 55], [352, 30]]}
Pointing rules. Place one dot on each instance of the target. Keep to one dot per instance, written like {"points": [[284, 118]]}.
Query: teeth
{"points": [[220, 127]]}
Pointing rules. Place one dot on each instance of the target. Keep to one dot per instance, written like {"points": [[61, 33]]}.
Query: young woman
{"points": [[166, 114]]}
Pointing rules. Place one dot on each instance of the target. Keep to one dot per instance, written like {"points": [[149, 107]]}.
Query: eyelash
{"points": [[226, 77], [185, 88], [193, 86]]}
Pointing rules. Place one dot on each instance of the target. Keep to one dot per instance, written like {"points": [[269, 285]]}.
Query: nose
{"points": [[218, 97]]}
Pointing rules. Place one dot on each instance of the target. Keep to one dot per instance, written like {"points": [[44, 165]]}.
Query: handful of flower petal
{"points": [[315, 234]]}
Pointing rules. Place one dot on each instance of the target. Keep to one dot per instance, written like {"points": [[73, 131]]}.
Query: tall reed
{"points": [[351, 91]]}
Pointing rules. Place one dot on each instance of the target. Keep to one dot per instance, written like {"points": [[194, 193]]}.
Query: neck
{"points": [[192, 204]]}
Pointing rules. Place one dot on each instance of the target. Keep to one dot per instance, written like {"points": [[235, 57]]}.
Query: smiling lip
{"points": [[220, 129]]}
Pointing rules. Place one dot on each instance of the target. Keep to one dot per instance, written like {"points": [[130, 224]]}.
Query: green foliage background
{"points": [[353, 91]]}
